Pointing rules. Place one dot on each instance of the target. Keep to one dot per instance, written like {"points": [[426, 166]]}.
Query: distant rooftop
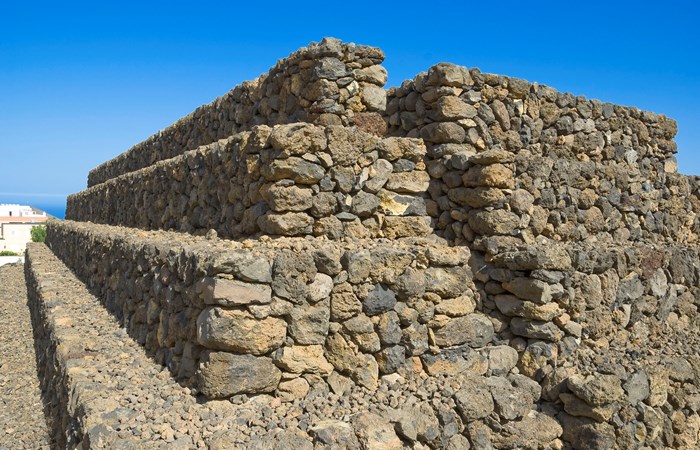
{"points": [[11, 212]]}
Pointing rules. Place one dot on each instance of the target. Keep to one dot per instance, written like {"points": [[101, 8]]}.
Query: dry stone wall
{"points": [[253, 317], [330, 83], [537, 243], [288, 180], [521, 160]]}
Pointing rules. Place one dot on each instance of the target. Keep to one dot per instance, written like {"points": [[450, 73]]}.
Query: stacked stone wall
{"points": [[530, 161], [254, 316], [327, 83], [288, 180], [565, 244]]}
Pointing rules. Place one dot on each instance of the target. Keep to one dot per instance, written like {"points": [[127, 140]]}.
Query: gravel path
{"points": [[22, 424]]}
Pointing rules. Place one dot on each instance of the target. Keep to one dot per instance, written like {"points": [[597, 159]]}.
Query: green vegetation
{"points": [[39, 233], [8, 253]]}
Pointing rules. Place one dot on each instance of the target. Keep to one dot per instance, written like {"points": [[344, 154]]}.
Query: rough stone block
{"points": [[302, 359], [476, 330], [224, 292], [225, 374], [239, 331]]}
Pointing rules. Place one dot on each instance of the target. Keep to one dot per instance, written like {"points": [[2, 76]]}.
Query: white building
{"points": [[17, 213], [16, 222]]}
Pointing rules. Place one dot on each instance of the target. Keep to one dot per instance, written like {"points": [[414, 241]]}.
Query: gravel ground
{"points": [[22, 424]]}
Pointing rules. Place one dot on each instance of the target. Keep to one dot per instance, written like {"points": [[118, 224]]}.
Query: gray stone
{"points": [[380, 300], [378, 175], [446, 282], [320, 288], [526, 384], [334, 434], [510, 403], [373, 97], [391, 359], [358, 264], [291, 274], [473, 399], [287, 224], [308, 325], [220, 291], [404, 165], [443, 132], [418, 423], [409, 284], [224, 374], [327, 259], [476, 330], [282, 198], [243, 265], [344, 178], [364, 204], [637, 387], [329, 68], [294, 168], [679, 369], [535, 329], [455, 360], [389, 328], [502, 359], [298, 138], [600, 436], [415, 339], [530, 289], [323, 204], [546, 255], [375, 433]]}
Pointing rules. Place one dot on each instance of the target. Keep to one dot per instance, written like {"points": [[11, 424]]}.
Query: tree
{"points": [[38, 233]]}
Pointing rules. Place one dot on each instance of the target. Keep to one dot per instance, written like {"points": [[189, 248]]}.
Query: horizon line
{"points": [[28, 194]]}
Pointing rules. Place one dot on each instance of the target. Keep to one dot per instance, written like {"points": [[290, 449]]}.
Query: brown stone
{"points": [[303, 359], [237, 330], [494, 175], [220, 291], [397, 227]]}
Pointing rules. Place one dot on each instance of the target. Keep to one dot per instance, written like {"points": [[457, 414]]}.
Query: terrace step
{"points": [[287, 180], [22, 424], [105, 392]]}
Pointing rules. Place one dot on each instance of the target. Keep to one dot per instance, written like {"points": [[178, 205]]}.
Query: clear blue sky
{"points": [[81, 82]]}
